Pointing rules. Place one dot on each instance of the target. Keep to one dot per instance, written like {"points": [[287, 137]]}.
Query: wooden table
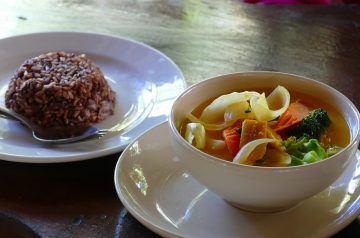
{"points": [[205, 38]]}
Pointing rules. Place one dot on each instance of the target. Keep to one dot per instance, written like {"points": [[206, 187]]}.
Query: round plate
{"points": [[158, 192], [145, 81]]}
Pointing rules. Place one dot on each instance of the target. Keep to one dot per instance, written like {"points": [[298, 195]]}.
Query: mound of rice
{"points": [[60, 89]]}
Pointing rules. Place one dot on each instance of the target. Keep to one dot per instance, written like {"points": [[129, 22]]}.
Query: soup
{"points": [[267, 127]]}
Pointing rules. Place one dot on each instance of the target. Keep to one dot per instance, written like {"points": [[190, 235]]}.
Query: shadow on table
{"points": [[10, 227]]}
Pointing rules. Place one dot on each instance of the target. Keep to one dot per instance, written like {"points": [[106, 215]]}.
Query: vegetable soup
{"points": [[267, 127]]}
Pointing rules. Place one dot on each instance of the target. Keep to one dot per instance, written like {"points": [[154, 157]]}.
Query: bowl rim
{"points": [[214, 159]]}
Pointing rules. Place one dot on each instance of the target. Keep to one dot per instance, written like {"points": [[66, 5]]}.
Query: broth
{"points": [[337, 133]]}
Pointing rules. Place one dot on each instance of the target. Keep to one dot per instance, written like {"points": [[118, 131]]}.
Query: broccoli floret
{"points": [[294, 146], [312, 126], [304, 150]]}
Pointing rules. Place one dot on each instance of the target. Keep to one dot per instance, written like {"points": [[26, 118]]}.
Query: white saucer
{"points": [[145, 81], [161, 195]]}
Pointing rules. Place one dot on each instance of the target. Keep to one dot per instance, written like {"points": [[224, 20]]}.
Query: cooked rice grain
{"points": [[60, 89]]}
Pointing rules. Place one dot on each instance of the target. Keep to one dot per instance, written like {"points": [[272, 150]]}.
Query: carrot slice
{"points": [[232, 138], [293, 115]]}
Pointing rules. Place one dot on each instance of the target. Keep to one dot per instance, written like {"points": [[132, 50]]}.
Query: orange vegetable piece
{"points": [[232, 138], [293, 115]]}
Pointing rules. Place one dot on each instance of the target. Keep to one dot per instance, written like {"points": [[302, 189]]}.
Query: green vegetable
{"points": [[313, 145], [304, 150], [312, 126], [311, 157], [332, 150], [296, 161]]}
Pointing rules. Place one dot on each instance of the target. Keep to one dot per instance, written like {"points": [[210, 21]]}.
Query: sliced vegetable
{"points": [[293, 115], [243, 156], [216, 110], [232, 138], [275, 158], [215, 144], [208, 126], [279, 98], [195, 135], [238, 111]]}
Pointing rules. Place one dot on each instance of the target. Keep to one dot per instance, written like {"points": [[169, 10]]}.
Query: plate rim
{"points": [[168, 233], [154, 227], [105, 150]]}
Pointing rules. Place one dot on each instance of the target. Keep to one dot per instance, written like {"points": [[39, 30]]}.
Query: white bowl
{"points": [[262, 189]]}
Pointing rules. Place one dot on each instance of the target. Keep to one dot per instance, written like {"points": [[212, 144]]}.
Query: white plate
{"points": [[145, 80], [160, 194]]}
